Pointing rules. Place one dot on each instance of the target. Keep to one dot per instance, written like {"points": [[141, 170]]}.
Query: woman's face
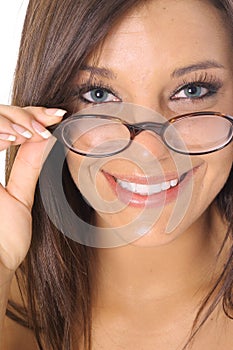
{"points": [[168, 58]]}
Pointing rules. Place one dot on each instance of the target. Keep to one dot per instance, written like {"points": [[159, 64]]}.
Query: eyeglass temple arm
{"points": [[52, 128]]}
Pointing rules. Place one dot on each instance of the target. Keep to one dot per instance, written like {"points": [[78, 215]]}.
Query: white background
{"points": [[12, 14]]}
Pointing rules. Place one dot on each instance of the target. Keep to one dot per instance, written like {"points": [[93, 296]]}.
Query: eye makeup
{"points": [[204, 80], [101, 91], [198, 90]]}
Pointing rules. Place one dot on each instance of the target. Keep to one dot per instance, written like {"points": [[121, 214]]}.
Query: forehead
{"points": [[161, 31]]}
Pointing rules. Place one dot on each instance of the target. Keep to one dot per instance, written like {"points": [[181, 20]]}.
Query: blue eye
{"points": [[192, 91], [99, 95], [196, 91]]}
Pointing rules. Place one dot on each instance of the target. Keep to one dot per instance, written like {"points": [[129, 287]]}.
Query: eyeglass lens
{"points": [[101, 136], [98, 136], [196, 134]]}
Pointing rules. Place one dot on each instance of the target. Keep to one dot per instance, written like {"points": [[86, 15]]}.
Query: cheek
{"points": [[74, 162], [86, 174], [219, 166]]}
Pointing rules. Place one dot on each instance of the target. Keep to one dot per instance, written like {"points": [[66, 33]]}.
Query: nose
{"points": [[152, 145]]}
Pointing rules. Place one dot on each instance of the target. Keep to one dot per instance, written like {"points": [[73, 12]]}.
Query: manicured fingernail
{"points": [[55, 112], [22, 131], [40, 129], [7, 137]]}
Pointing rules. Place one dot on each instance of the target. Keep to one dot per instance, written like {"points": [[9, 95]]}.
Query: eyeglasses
{"points": [[103, 136]]}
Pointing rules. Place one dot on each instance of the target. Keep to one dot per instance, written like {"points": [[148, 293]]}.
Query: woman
{"points": [[168, 285]]}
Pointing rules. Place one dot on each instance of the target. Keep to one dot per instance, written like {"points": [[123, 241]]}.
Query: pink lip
{"points": [[150, 180], [149, 201]]}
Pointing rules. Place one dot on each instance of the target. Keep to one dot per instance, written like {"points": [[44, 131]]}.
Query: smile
{"points": [[147, 190]]}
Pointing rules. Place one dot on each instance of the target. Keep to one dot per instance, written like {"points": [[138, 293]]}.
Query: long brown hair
{"points": [[58, 274]]}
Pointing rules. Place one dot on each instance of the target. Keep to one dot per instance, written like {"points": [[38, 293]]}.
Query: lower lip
{"points": [[149, 201]]}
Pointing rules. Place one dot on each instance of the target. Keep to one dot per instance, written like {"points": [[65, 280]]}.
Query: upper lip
{"points": [[147, 180]]}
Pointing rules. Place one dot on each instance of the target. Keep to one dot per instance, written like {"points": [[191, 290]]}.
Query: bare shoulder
{"points": [[16, 336]]}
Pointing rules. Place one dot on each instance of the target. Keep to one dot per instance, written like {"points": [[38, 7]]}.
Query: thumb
{"points": [[26, 170]]}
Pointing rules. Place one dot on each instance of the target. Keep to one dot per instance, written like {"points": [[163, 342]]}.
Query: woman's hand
{"points": [[24, 127]]}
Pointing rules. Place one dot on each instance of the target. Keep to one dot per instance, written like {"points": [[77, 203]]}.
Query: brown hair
{"points": [[57, 276]]}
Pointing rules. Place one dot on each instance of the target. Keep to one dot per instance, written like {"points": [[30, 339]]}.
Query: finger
{"points": [[10, 133], [46, 116], [13, 246], [26, 170], [17, 124], [5, 141], [15, 134]]}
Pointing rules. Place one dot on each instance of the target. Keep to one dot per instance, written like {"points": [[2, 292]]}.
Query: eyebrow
{"points": [[194, 67], [101, 71], [109, 74]]}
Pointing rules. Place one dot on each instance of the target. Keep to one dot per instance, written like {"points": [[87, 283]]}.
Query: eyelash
{"points": [[90, 87], [203, 80]]}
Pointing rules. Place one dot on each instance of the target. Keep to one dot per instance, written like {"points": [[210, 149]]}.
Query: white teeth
{"points": [[147, 189], [174, 182], [166, 186]]}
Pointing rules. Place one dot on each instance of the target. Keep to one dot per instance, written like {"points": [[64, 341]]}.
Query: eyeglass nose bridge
{"points": [[136, 129]]}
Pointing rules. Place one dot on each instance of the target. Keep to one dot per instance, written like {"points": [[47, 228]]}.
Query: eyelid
{"points": [[204, 80], [88, 87], [210, 90], [88, 99]]}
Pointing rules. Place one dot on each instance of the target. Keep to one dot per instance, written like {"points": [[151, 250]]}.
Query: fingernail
{"points": [[7, 137], [40, 129], [22, 131], [55, 112]]}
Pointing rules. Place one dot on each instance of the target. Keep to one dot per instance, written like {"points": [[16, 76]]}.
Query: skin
{"points": [[149, 290], [130, 278], [151, 86], [17, 197]]}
